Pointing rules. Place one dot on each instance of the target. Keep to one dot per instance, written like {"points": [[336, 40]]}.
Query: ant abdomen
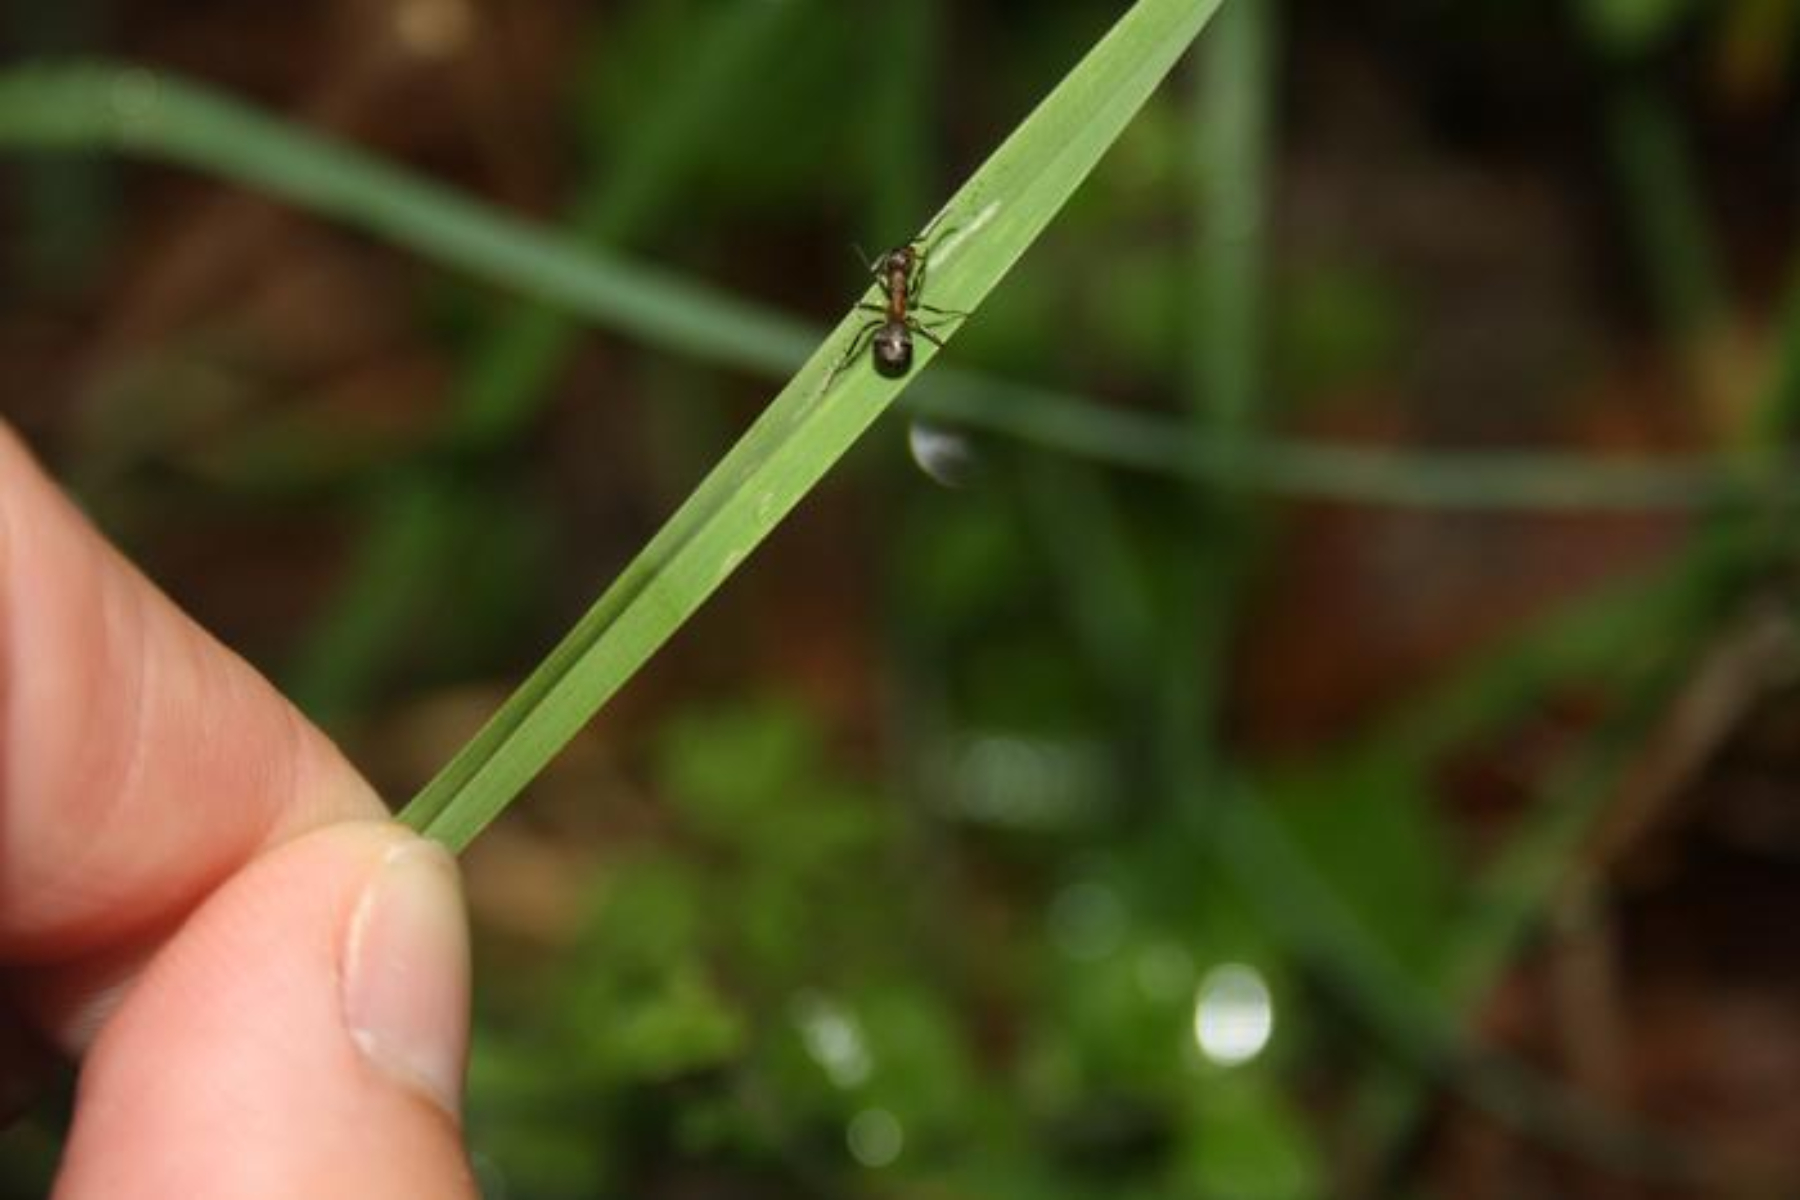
{"points": [[893, 350]]}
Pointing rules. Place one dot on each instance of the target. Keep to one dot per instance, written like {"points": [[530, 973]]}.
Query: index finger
{"points": [[141, 762]]}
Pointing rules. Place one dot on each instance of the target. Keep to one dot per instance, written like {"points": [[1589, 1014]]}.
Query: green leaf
{"points": [[975, 239]]}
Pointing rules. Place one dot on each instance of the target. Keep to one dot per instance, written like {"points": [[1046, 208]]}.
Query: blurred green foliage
{"points": [[774, 987]]}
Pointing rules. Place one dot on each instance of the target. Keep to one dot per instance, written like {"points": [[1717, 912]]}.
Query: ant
{"points": [[901, 276]]}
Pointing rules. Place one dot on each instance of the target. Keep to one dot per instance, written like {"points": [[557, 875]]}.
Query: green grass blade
{"points": [[1668, 216], [980, 234], [1233, 121], [1232, 111], [901, 165], [142, 112]]}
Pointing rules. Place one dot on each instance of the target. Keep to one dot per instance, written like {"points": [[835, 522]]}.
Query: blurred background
{"points": [[1358, 757]]}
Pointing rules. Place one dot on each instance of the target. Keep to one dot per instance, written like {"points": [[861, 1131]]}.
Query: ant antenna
{"points": [[932, 234]]}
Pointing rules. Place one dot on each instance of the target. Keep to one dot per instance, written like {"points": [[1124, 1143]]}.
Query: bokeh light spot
{"points": [[1234, 1015], [875, 1137]]}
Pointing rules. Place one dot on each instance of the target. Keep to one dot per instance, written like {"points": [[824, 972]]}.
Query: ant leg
{"points": [[929, 329], [860, 341], [856, 347], [939, 319], [874, 308], [941, 312], [915, 287], [931, 236], [925, 333], [922, 247]]}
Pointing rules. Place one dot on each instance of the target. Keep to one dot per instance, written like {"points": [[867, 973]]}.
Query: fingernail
{"points": [[406, 972]]}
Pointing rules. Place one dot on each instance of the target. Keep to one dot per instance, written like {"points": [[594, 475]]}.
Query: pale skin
{"points": [[263, 979]]}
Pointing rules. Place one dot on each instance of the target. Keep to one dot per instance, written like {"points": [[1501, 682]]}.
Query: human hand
{"points": [[265, 979]]}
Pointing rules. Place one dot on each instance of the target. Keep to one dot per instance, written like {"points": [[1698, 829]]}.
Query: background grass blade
{"points": [[79, 107], [142, 111], [980, 234]]}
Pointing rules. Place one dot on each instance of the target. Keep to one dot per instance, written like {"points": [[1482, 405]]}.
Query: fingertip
{"points": [[303, 1035], [406, 972]]}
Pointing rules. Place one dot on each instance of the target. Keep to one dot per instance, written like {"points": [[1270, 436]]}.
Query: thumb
{"points": [[303, 1035]]}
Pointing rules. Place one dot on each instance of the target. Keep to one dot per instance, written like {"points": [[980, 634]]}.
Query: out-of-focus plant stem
{"points": [[1231, 118], [1668, 217], [902, 104]]}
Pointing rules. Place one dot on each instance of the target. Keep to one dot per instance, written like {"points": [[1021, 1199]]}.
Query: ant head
{"points": [[898, 260], [893, 350]]}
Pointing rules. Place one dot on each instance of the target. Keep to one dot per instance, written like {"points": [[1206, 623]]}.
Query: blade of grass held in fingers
{"points": [[983, 230]]}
